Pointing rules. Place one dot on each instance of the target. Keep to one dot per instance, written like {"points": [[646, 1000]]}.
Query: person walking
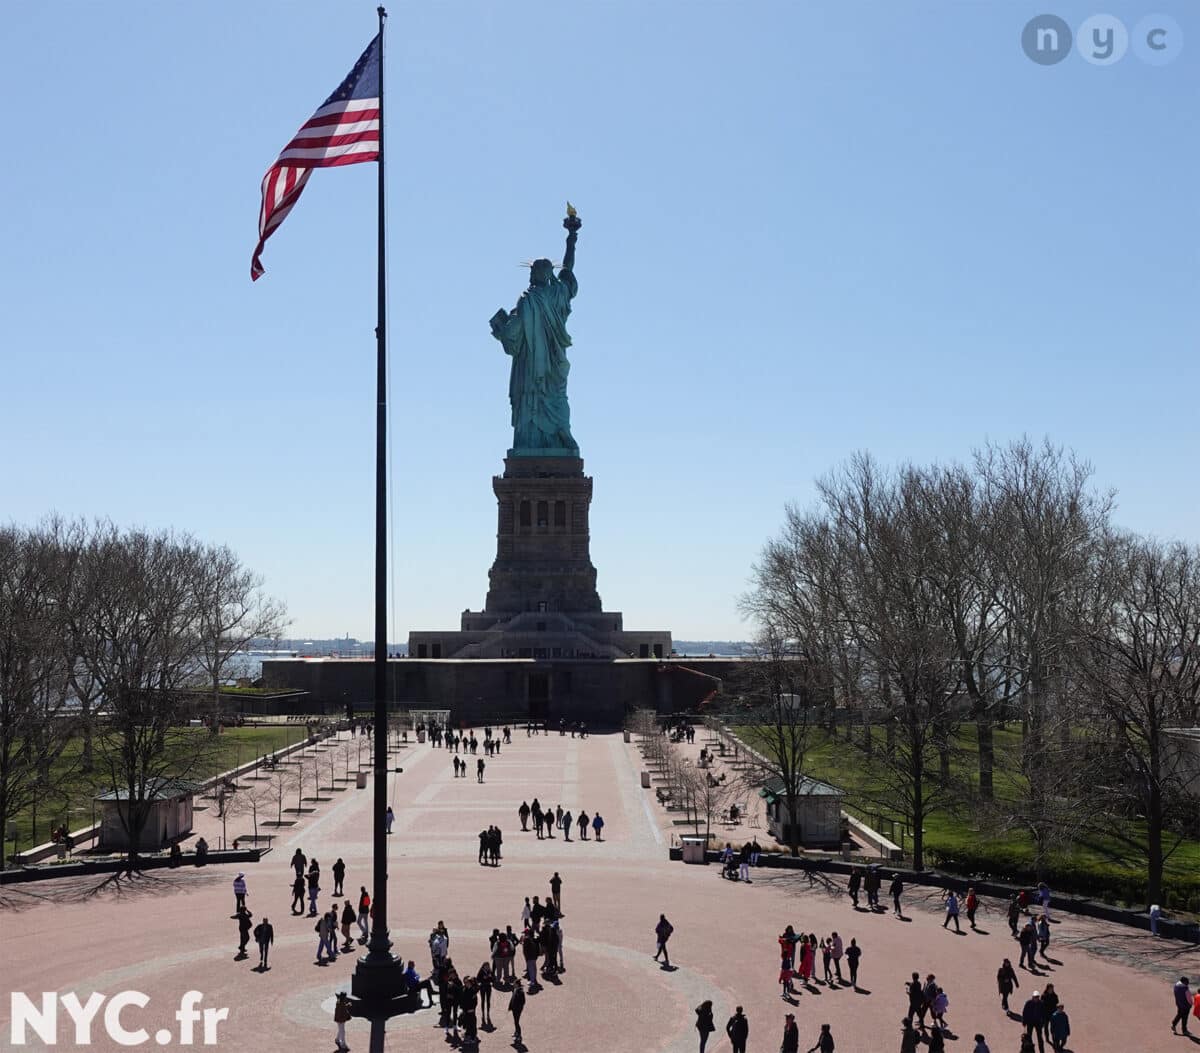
{"points": [[242, 917], [737, 1027], [530, 948], [556, 890], [299, 862], [565, 823], [916, 1000], [1043, 934], [853, 884], [952, 911], [389, 818], [791, 1035], [981, 1045], [837, 949], [1006, 982], [348, 918], [744, 862], [516, 1006], [582, 822], [479, 766], [1034, 1020], [897, 887], [972, 907], [824, 1042], [264, 936], [484, 980], [298, 894], [1028, 941], [853, 954], [1183, 1003], [339, 875], [662, 933], [909, 1039], [239, 891], [871, 885], [523, 815], [597, 826], [341, 1017], [1059, 1028], [364, 914], [1014, 915], [704, 1022], [314, 888]]}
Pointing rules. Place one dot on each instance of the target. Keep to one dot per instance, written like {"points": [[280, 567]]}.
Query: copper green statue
{"points": [[535, 335]]}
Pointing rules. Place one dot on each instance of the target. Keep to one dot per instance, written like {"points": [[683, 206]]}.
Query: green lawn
{"points": [[956, 840], [71, 802]]}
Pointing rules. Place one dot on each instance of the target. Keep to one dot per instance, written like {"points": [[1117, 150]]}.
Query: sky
{"points": [[809, 229]]}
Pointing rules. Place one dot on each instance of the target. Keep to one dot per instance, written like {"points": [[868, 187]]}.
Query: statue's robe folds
{"points": [[535, 335]]}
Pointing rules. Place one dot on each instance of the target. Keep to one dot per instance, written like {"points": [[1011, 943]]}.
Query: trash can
{"points": [[645, 780], [694, 848], [361, 781], [626, 733]]}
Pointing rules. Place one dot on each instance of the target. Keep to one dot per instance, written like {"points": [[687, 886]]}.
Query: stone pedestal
{"points": [[543, 557]]}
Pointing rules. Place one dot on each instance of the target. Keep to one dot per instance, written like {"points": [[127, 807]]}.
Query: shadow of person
{"points": [[861, 990], [981, 932]]}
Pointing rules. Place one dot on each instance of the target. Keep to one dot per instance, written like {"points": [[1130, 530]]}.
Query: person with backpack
{"points": [[662, 933]]}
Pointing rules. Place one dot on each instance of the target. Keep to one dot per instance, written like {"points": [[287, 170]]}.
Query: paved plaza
{"points": [[170, 931]]}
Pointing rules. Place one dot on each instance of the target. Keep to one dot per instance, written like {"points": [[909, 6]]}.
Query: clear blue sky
{"points": [[808, 229]]}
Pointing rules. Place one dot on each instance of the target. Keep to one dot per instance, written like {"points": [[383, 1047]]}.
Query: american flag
{"points": [[343, 131]]}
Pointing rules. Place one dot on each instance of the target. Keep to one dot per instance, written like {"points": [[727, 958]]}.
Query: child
{"points": [[785, 978]]}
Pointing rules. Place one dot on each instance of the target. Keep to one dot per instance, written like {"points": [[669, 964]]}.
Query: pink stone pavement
{"points": [[170, 931]]}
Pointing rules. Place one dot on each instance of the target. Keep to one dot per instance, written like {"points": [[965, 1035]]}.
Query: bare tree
{"points": [[231, 611], [36, 721], [1047, 522], [252, 799], [132, 619], [284, 778], [1140, 667], [784, 689]]}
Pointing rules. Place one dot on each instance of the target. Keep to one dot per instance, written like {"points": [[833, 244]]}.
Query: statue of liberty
{"points": [[535, 335]]}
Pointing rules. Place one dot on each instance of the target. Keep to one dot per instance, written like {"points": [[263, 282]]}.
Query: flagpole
{"points": [[378, 975]]}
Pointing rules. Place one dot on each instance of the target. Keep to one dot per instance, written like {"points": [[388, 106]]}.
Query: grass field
{"points": [[956, 838], [71, 801]]}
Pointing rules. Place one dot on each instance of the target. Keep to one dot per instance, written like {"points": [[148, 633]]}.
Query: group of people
{"points": [[798, 958], [490, 841], [460, 768], [736, 863], [546, 821], [870, 882]]}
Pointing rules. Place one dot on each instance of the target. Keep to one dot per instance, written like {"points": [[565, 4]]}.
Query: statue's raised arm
{"points": [[572, 223]]}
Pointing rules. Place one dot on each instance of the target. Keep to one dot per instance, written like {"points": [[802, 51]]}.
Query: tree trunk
{"points": [[987, 755], [86, 757], [793, 826]]}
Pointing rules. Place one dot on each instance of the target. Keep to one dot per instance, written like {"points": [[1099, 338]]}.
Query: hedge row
{"points": [[1109, 883]]}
